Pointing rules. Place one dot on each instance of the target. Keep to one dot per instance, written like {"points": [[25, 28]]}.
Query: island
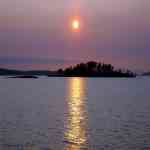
{"points": [[24, 76], [146, 74], [94, 69], [88, 69]]}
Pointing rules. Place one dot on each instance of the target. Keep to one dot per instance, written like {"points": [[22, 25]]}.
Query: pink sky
{"points": [[114, 31]]}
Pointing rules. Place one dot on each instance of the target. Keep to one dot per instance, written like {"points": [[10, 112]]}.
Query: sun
{"points": [[75, 24]]}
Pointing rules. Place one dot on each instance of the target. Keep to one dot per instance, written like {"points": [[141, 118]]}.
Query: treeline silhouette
{"points": [[94, 69], [89, 69]]}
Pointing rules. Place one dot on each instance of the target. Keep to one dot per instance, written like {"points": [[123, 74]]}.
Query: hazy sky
{"points": [[38, 32]]}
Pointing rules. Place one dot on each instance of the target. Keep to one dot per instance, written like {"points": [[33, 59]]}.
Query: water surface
{"points": [[75, 114]]}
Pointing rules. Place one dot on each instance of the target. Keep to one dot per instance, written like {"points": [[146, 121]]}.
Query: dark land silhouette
{"points": [[12, 72], [146, 74], [94, 69], [24, 76], [89, 69]]}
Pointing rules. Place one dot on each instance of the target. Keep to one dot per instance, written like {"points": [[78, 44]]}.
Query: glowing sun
{"points": [[75, 24]]}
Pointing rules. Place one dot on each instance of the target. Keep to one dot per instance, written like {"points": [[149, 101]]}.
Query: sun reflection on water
{"points": [[75, 134]]}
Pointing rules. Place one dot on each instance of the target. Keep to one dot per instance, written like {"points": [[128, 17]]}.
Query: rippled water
{"points": [[75, 114]]}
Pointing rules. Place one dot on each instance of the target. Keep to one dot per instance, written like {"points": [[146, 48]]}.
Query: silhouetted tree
{"points": [[93, 68], [60, 71], [91, 65]]}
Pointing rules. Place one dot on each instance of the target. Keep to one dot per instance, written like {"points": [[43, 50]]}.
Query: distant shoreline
{"points": [[34, 74], [89, 69], [53, 76], [92, 76]]}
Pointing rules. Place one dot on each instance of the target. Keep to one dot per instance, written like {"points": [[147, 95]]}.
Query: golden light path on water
{"points": [[76, 132]]}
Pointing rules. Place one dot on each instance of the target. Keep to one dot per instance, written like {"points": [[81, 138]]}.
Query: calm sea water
{"points": [[75, 114]]}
